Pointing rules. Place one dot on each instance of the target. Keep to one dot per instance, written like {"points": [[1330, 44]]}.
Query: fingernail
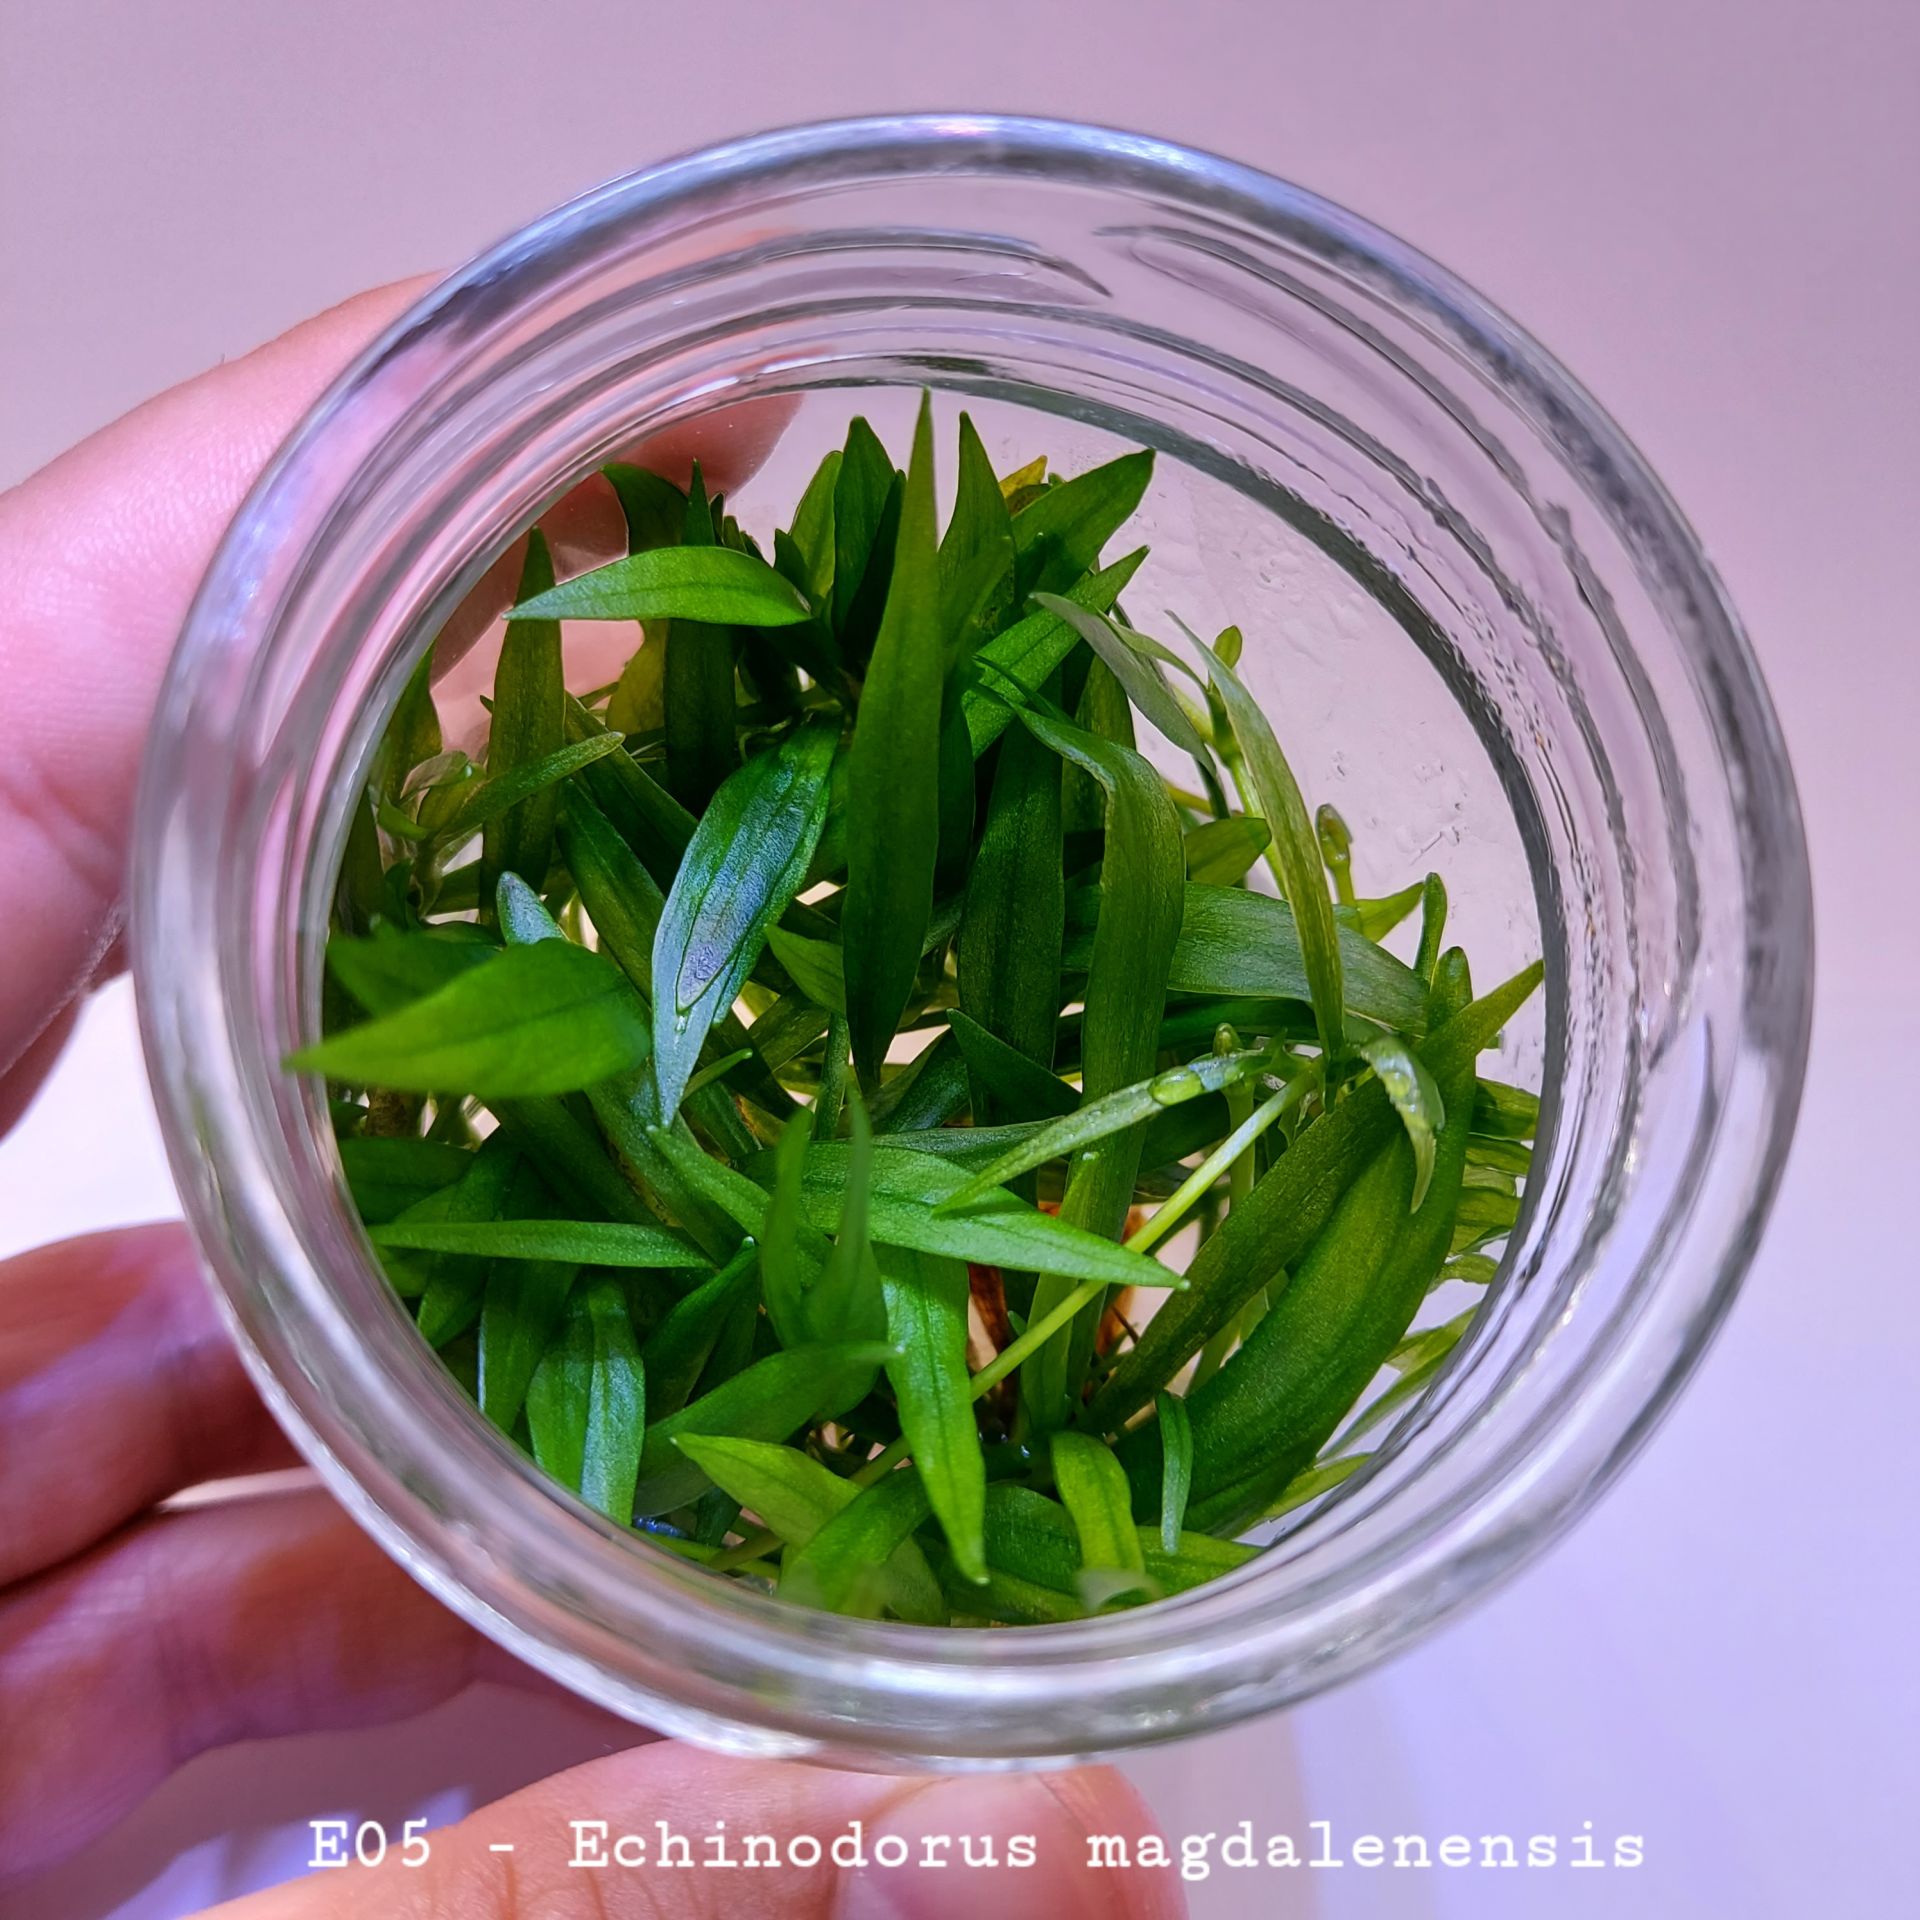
{"points": [[1008, 1847]]}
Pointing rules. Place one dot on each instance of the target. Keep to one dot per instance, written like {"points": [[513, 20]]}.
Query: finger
{"points": [[691, 1794], [102, 551], [258, 1616], [118, 1387]]}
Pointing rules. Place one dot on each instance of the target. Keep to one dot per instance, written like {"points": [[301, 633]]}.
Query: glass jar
{"points": [[1392, 473]]}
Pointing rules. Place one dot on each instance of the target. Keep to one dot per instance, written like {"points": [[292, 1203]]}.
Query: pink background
{"points": [[1708, 209]]}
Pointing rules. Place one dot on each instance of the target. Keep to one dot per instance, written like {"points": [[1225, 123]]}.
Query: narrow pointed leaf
{"points": [[1139, 675], [616, 1405], [926, 1301], [1059, 536], [598, 1243], [1221, 853], [528, 725], [747, 859], [846, 1567], [893, 826], [1176, 1480], [1093, 1489], [1415, 1099], [769, 1400], [528, 1020], [560, 1395]]}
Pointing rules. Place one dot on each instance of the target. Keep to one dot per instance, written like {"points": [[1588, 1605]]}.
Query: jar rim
{"points": [[1233, 1631]]}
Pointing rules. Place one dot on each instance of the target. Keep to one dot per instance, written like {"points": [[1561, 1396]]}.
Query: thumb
{"points": [[688, 1835]]}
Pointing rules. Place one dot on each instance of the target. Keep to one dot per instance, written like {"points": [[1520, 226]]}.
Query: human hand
{"points": [[133, 1638]]}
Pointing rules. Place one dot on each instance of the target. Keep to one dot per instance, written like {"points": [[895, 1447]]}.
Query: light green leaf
{"points": [[1415, 1099], [616, 1405], [715, 585], [528, 1020], [596, 1243]]}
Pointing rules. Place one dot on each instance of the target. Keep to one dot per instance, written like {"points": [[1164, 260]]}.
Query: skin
{"points": [[134, 1636]]}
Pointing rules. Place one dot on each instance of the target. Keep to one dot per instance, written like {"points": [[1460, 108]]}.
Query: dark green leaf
{"points": [[560, 1395], [387, 1176], [1176, 1478], [1007, 957], [863, 487], [768, 1401], [598, 1243], [616, 1404], [996, 1231], [893, 826], [1134, 670], [748, 858], [655, 509], [1007, 1078], [1015, 665], [1233, 942], [697, 681], [1294, 855], [528, 1020], [1059, 536], [926, 1304], [678, 1349], [815, 965], [522, 1310], [501, 794], [976, 553], [528, 724]]}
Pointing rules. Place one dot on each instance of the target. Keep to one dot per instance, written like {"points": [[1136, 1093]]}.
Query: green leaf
{"points": [[844, 1568], [1233, 942], [1294, 855], [926, 1302], [412, 736], [528, 725], [616, 1405], [1059, 536], [1007, 1078], [1375, 919], [714, 585], [864, 486], [697, 681], [1135, 671], [1433, 925], [1097, 1120], [748, 858], [388, 969], [791, 1259], [1220, 853], [1127, 966], [1265, 1235], [1013, 666], [521, 1312], [528, 1020], [1012, 924], [815, 965], [795, 1496], [451, 1287], [977, 551], [812, 533], [847, 1301], [500, 794], [1502, 1112], [560, 1395], [1415, 1099], [678, 1349], [387, 1176], [1093, 1489], [997, 1231], [655, 509], [597, 1243], [1176, 1481], [769, 1400], [893, 825]]}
